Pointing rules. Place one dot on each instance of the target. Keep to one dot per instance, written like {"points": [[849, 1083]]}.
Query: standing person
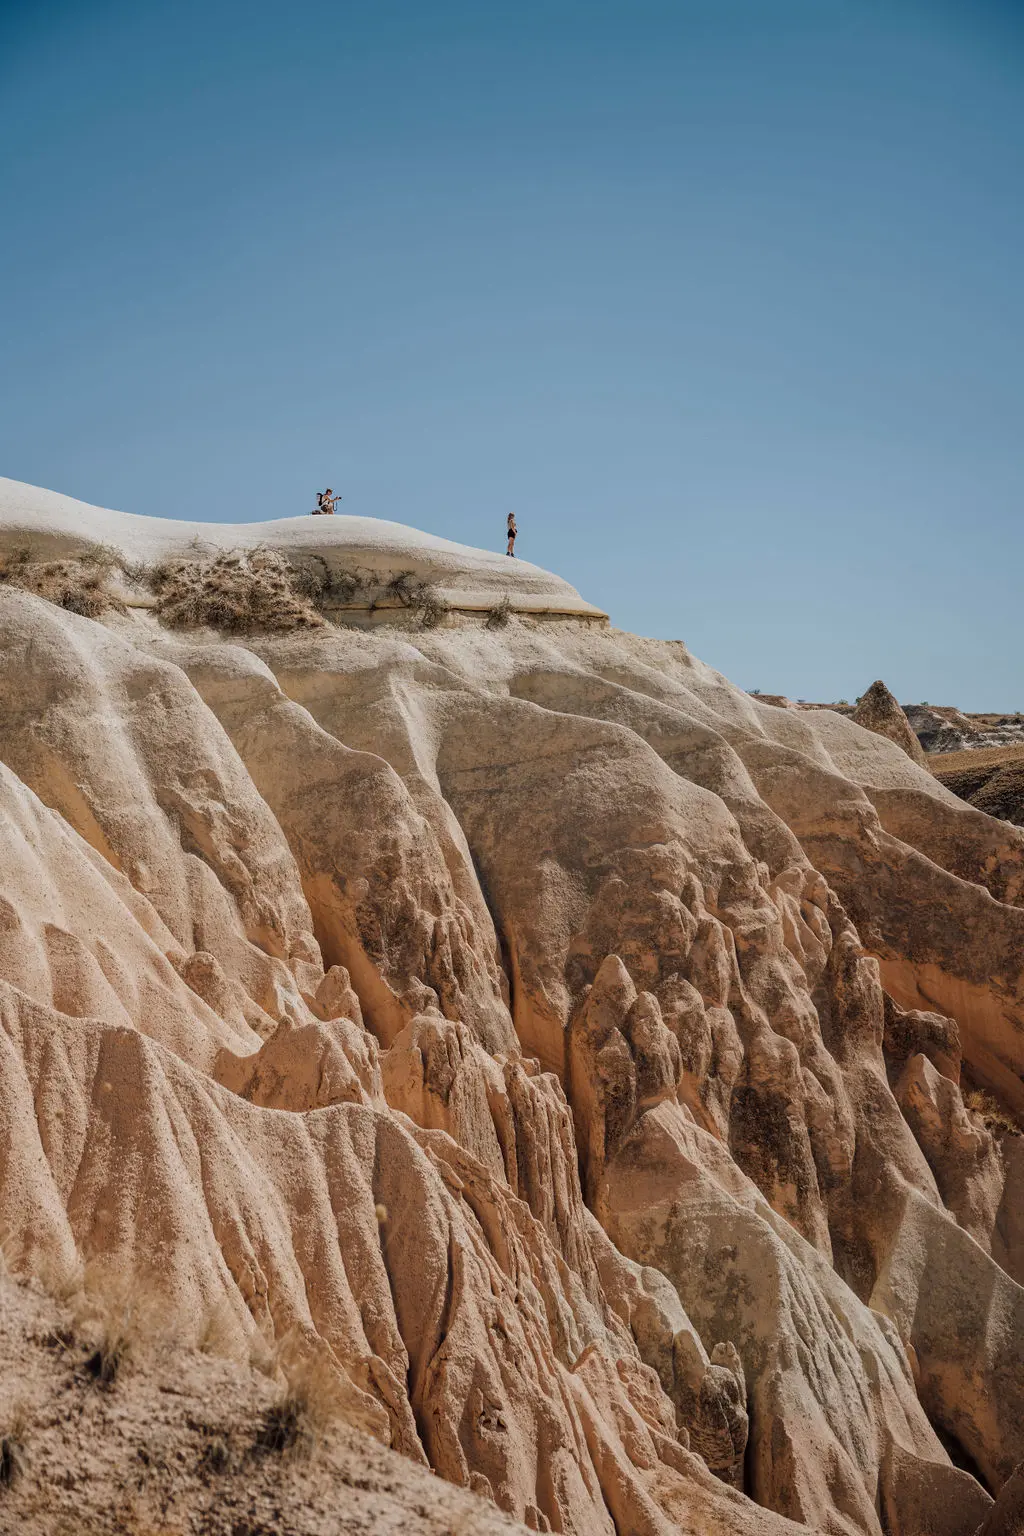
{"points": [[325, 503], [512, 531]]}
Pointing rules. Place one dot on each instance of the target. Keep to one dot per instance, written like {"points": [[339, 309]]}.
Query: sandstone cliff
{"points": [[559, 1046]]}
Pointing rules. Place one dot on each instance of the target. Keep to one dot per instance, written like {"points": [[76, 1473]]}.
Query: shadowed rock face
{"points": [[996, 787], [503, 1016]]}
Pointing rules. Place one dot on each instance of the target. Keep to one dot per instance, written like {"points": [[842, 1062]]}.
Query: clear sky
{"points": [[723, 297]]}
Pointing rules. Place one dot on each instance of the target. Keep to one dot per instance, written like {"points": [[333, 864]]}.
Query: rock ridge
{"points": [[613, 1079]]}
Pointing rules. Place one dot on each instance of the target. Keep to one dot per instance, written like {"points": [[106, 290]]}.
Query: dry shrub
{"points": [[990, 1112], [239, 591], [323, 585], [500, 613], [215, 1457], [433, 608], [424, 600], [314, 1395], [78, 584], [112, 1316], [405, 588], [14, 1428]]}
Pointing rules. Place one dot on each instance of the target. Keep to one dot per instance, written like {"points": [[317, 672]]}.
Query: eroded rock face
{"points": [[562, 1044], [878, 711]]}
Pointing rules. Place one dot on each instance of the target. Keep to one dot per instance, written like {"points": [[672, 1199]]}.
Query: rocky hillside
{"points": [[610, 1082], [943, 729], [939, 729]]}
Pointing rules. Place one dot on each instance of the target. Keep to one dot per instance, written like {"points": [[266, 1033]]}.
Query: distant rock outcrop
{"points": [[940, 728], [878, 711]]}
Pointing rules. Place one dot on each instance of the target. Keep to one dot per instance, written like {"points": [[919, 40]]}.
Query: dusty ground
{"points": [[182, 1442]]}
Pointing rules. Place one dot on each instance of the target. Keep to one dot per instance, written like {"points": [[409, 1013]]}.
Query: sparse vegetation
{"points": [[79, 585], [991, 1113], [500, 613], [424, 599], [433, 609], [323, 585], [237, 591], [112, 1315], [14, 1425], [180, 1442], [244, 592], [216, 1455], [314, 1396], [989, 778]]}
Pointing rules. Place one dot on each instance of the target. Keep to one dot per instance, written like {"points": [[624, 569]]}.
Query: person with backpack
{"points": [[325, 503]]}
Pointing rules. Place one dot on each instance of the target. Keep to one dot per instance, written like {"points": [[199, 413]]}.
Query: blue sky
{"points": [[722, 297]]}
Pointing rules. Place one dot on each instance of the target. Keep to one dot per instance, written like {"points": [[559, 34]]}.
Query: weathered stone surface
{"points": [[501, 1015], [878, 711]]}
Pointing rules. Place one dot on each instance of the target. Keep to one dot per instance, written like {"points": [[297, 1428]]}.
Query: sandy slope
{"points": [[501, 1015]]}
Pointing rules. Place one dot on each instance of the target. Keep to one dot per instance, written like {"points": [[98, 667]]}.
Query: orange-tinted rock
{"points": [[500, 1014]]}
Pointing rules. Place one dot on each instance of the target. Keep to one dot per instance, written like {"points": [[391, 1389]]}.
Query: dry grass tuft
{"points": [[8, 1254], [424, 599], [239, 592], [14, 1431], [500, 613], [991, 1113], [323, 585], [433, 609], [112, 1317], [216, 1455], [314, 1396], [78, 585]]}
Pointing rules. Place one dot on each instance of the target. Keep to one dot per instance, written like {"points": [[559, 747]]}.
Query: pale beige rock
{"points": [[500, 1013], [124, 749], [375, 877]]}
